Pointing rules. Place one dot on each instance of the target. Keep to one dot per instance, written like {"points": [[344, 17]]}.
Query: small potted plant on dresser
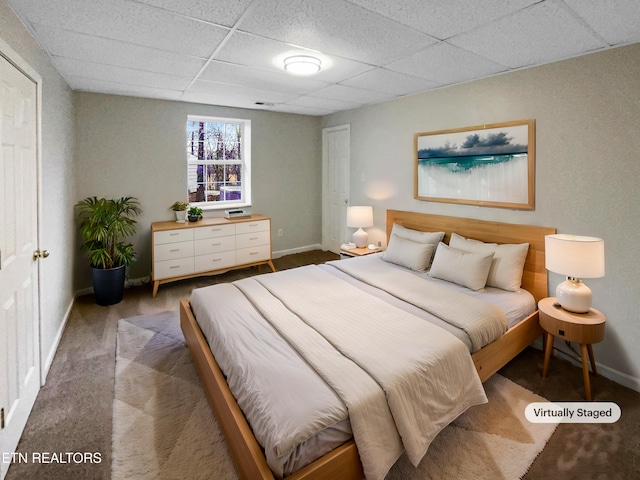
{"points": [[104, 224], [194, 214], [181, 211]]}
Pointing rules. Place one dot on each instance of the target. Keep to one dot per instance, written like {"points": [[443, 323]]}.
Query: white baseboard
{"points": [[611, 373], [307, 248], [621, 378], [48, 360]]}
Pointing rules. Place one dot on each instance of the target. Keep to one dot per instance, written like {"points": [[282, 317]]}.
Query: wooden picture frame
{"points": [[484, 165]]}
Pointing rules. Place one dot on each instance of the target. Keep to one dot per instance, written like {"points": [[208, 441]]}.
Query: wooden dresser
{"points": [[208, 246]]}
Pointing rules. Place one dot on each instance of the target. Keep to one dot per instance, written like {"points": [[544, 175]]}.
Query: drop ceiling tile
{"points": [[388, 81], [540, 34], [446, 64], [257, 78], [322, 103], [300, 110], [382, 47], [619, 28], [248, 96], [128, 22], [218, 97], [247, 49], [99, 86], [334, 27], [350, 94], [224, 13], [443, 19], [80, 46], [128, 76]]}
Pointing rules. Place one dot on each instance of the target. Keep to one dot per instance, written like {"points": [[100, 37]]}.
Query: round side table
{"points": [[583, 328]]}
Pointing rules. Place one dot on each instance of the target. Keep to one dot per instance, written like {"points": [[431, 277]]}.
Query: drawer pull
{"points": [[216, 259], [174, 266], [216, 244], [174, 234], [253, 253], [253, 238], [174, 250]]}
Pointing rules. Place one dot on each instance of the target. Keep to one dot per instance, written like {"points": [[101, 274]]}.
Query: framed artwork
{"points": [[486, 165]]}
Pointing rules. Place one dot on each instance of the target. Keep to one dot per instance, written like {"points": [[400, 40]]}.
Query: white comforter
{"points": [[425, 374], [482, 321], [298, 413]]}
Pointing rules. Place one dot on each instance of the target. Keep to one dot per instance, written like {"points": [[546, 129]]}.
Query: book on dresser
{"points": [[210, 246]]}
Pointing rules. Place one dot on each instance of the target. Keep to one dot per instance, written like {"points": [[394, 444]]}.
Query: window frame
{"points": [[244, 161]]}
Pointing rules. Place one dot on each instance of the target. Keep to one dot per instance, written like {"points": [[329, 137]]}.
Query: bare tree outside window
{"points": [[218, 159]]}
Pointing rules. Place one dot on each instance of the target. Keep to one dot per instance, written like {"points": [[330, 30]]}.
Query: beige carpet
{"points": [[163, 427]]}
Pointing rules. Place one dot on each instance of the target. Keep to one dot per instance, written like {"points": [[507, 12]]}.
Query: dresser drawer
{"points": [[257, 226], [214, 245], [253, 239], [215, 261], [213, 231], [253, 254], [173, 268], [210, 246], [170, 251], [172, 236]]}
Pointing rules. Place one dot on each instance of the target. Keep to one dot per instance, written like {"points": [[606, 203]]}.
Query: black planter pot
{"points": [[108, 284]]}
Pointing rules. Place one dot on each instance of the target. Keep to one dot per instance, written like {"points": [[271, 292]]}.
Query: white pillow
{"points": [[468, 269], [432, 238], [508, 260], [408, 253]]}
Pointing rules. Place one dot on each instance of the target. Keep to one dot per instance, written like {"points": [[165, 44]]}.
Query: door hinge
{"points": [[1, 418]]}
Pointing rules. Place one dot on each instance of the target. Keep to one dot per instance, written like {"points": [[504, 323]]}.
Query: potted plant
{"points": [[181, 211], [194, 214], [104, 224]]}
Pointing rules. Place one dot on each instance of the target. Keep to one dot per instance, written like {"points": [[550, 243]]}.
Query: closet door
{"points": [[336, 159]]}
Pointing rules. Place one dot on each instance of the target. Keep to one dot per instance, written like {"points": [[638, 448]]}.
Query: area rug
{"points": [[163, 427]]}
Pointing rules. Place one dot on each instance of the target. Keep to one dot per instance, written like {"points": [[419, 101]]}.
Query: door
{"points": [[336, 157], [19, 314]]}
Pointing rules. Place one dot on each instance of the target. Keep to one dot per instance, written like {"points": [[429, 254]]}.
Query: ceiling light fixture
{"points": [[302, 65]]}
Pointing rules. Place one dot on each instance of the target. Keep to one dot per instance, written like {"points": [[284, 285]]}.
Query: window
{"points": [[218, 162]]}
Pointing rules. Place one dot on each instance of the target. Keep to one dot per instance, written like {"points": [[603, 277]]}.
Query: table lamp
{"points": [[360, 217], [576, 257]]}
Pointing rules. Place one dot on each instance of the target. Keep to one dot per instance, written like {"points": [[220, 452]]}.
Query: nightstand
{"points": [[583, 328], [357, 252]]}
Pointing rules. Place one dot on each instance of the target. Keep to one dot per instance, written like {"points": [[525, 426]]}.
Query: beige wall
{"points": [[57, 185], [587, 113], [134, 146]]}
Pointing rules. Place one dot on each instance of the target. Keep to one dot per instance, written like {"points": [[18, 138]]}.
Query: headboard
{"points": [[534, 277]]}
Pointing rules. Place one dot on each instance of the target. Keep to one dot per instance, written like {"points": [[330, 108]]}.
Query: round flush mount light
{"points": [[302, 64]]}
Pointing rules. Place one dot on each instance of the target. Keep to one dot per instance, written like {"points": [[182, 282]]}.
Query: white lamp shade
{"points": [[360, 217], [574, 256]]}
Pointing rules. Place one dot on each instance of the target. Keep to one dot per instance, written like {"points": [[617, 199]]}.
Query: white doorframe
{"points": [[13, 57], [336, 159], [8, 54]]}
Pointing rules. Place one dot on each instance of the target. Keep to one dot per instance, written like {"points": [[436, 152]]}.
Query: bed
{"points": [[344, 461]]}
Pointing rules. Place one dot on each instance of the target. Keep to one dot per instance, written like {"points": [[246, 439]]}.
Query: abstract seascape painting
{"points": [[486, 165]]}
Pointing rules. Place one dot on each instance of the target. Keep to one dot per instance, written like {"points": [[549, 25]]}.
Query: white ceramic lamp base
{"points": [[574, 296], [360, 238]]}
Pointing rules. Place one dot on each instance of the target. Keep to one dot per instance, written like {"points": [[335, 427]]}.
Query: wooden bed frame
{"points": [[344, 462]]}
